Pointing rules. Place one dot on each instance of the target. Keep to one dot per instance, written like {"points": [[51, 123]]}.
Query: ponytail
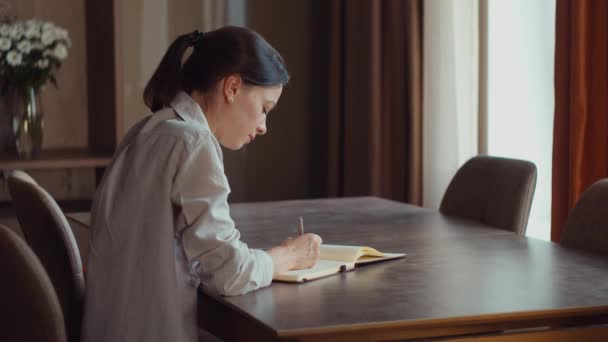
{"points": [[167, 79], [216, 54]]}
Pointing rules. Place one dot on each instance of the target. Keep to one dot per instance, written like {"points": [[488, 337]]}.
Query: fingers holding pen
{"points": [[305, 250]]}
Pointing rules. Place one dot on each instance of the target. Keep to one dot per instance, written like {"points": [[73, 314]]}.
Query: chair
{"points": [[48, 233], [30, 309], [587, 224], [494, 191]]}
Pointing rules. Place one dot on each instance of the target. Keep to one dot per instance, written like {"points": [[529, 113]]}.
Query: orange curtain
{"points": [[374, 138], [580, 146]]}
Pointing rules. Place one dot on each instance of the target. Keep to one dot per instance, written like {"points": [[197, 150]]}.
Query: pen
{"points": [[301, 227]]}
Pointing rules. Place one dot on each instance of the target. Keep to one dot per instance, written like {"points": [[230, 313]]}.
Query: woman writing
{"points": [[160, 217]]}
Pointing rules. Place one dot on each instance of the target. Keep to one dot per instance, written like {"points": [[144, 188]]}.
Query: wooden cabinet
{"points": [[56, 159]]}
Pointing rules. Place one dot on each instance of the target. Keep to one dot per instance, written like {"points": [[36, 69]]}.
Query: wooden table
{"points": [[460, 280]]}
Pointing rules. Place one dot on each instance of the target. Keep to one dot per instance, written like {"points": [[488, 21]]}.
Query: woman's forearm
{"points": [[281, 259]]}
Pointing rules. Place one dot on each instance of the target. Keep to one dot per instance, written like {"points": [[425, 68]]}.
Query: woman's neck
{"points": [[205, 103]]}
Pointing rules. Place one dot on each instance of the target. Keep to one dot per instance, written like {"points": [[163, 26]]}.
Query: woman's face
{"points": [[244, 112]]}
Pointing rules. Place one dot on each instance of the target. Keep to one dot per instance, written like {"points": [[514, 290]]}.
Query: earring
{"points": [[230, 99]]}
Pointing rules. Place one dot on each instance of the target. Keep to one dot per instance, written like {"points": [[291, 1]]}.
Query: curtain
{"points": [[451, 92], [374, 142], [580, 135]]}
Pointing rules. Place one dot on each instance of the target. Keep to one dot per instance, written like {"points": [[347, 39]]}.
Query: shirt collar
{"points": [[189, 110]]}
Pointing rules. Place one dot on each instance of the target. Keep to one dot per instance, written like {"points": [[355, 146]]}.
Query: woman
{"points": [[160, 217]]}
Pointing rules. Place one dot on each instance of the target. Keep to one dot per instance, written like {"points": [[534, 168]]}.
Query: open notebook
{"points": [[335, 259]]}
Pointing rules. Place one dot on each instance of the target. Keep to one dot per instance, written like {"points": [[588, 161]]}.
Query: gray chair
{"points": [[48, 233], [30, 309], [494, 191], [587, 225]]}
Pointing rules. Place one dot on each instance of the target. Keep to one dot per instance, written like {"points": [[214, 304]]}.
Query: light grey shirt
{"points": [[160, 226]]}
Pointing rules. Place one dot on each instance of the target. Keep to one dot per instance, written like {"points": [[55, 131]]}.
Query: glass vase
{"points": [[28, 123]]}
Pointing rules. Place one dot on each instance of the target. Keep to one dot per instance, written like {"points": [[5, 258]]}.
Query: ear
{"points": [[232, 87]]}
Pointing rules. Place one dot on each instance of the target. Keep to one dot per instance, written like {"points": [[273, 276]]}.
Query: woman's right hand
{"points": [[296, 253]]}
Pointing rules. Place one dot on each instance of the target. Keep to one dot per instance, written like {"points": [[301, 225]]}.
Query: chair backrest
{"points": [[48, 233], [30, 309], [492, 190], [587, 224]]}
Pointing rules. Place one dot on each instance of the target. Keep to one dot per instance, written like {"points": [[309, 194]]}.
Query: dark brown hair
{"points": [[216, 54]]}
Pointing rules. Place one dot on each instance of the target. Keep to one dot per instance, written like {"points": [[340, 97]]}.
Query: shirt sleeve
{"points": [[210, 240]]}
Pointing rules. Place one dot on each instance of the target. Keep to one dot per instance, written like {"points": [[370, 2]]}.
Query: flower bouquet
{"points": [[30, 53]]}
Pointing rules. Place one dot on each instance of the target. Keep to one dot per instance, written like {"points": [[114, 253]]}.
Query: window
{"points": [[520, 100]]}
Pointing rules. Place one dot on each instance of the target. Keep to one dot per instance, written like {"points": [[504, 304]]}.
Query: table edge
{"points": [[486, 319]]}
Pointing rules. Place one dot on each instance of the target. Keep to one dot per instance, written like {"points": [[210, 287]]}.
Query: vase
{"points": [[28, 123]]}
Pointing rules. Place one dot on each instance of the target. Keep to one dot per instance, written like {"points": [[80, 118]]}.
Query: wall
{"points": [[278, 165], [148, 28]]}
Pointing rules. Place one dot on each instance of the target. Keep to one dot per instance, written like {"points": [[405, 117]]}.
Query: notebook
{"points": [[335, 259]]}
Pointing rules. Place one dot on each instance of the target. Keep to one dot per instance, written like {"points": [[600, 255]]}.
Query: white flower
{"points": [[5, 44], [24, 46], [5, 30], [16, 32], [37, 46], [47, 26], [63, 35], [31, 24], [13, 58], [48, 37], [42, 64], [32, 32], [61, 52]]}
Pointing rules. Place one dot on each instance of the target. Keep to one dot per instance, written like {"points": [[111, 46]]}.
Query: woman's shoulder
{"points": [[182, 129], [166, 123]]}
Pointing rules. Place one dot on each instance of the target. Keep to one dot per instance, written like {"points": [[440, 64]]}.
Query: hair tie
{"points": [[195, 37]]}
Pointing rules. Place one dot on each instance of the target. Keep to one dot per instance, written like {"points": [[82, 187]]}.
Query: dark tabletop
{"points": [[454, 268]]}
